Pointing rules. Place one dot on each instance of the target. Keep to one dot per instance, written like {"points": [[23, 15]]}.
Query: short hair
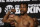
{"points": [[24, 3]]}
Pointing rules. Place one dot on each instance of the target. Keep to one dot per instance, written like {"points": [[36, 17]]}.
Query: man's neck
{"points": [[24, 14]]}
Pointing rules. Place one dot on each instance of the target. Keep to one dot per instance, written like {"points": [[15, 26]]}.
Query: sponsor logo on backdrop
{"points": [[32, 8]]}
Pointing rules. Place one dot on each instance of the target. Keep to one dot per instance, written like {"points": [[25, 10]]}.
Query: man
{"points": [[20, 21]]}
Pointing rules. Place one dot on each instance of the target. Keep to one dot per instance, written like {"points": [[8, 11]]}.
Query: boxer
{"points": [[23, 20]]}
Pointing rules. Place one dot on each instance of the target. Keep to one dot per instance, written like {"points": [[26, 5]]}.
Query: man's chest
{"points": [[24, 22]]}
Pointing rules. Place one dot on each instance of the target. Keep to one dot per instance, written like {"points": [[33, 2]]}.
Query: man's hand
{"points": [[13, 10]]}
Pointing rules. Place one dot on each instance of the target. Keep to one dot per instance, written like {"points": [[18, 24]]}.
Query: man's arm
{"points": [[31, 21], [5, 17], [36, 21]]}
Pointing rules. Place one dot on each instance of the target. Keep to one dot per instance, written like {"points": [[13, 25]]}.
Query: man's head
{"points": [[23, 8]]}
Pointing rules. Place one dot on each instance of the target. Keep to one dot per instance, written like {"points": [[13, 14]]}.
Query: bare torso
{"points": [[22, 21]]}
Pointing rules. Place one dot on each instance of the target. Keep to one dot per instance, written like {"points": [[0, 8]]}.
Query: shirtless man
{"points": [[21, 21]]}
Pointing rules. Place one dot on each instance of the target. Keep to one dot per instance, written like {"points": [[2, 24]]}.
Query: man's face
{"points": [[23, 8]]}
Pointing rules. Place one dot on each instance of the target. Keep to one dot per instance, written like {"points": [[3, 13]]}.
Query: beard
{"points": [[23, 13]]}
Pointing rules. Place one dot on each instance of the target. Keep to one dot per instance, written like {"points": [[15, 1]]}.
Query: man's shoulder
{"points": [[30, 18]]}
